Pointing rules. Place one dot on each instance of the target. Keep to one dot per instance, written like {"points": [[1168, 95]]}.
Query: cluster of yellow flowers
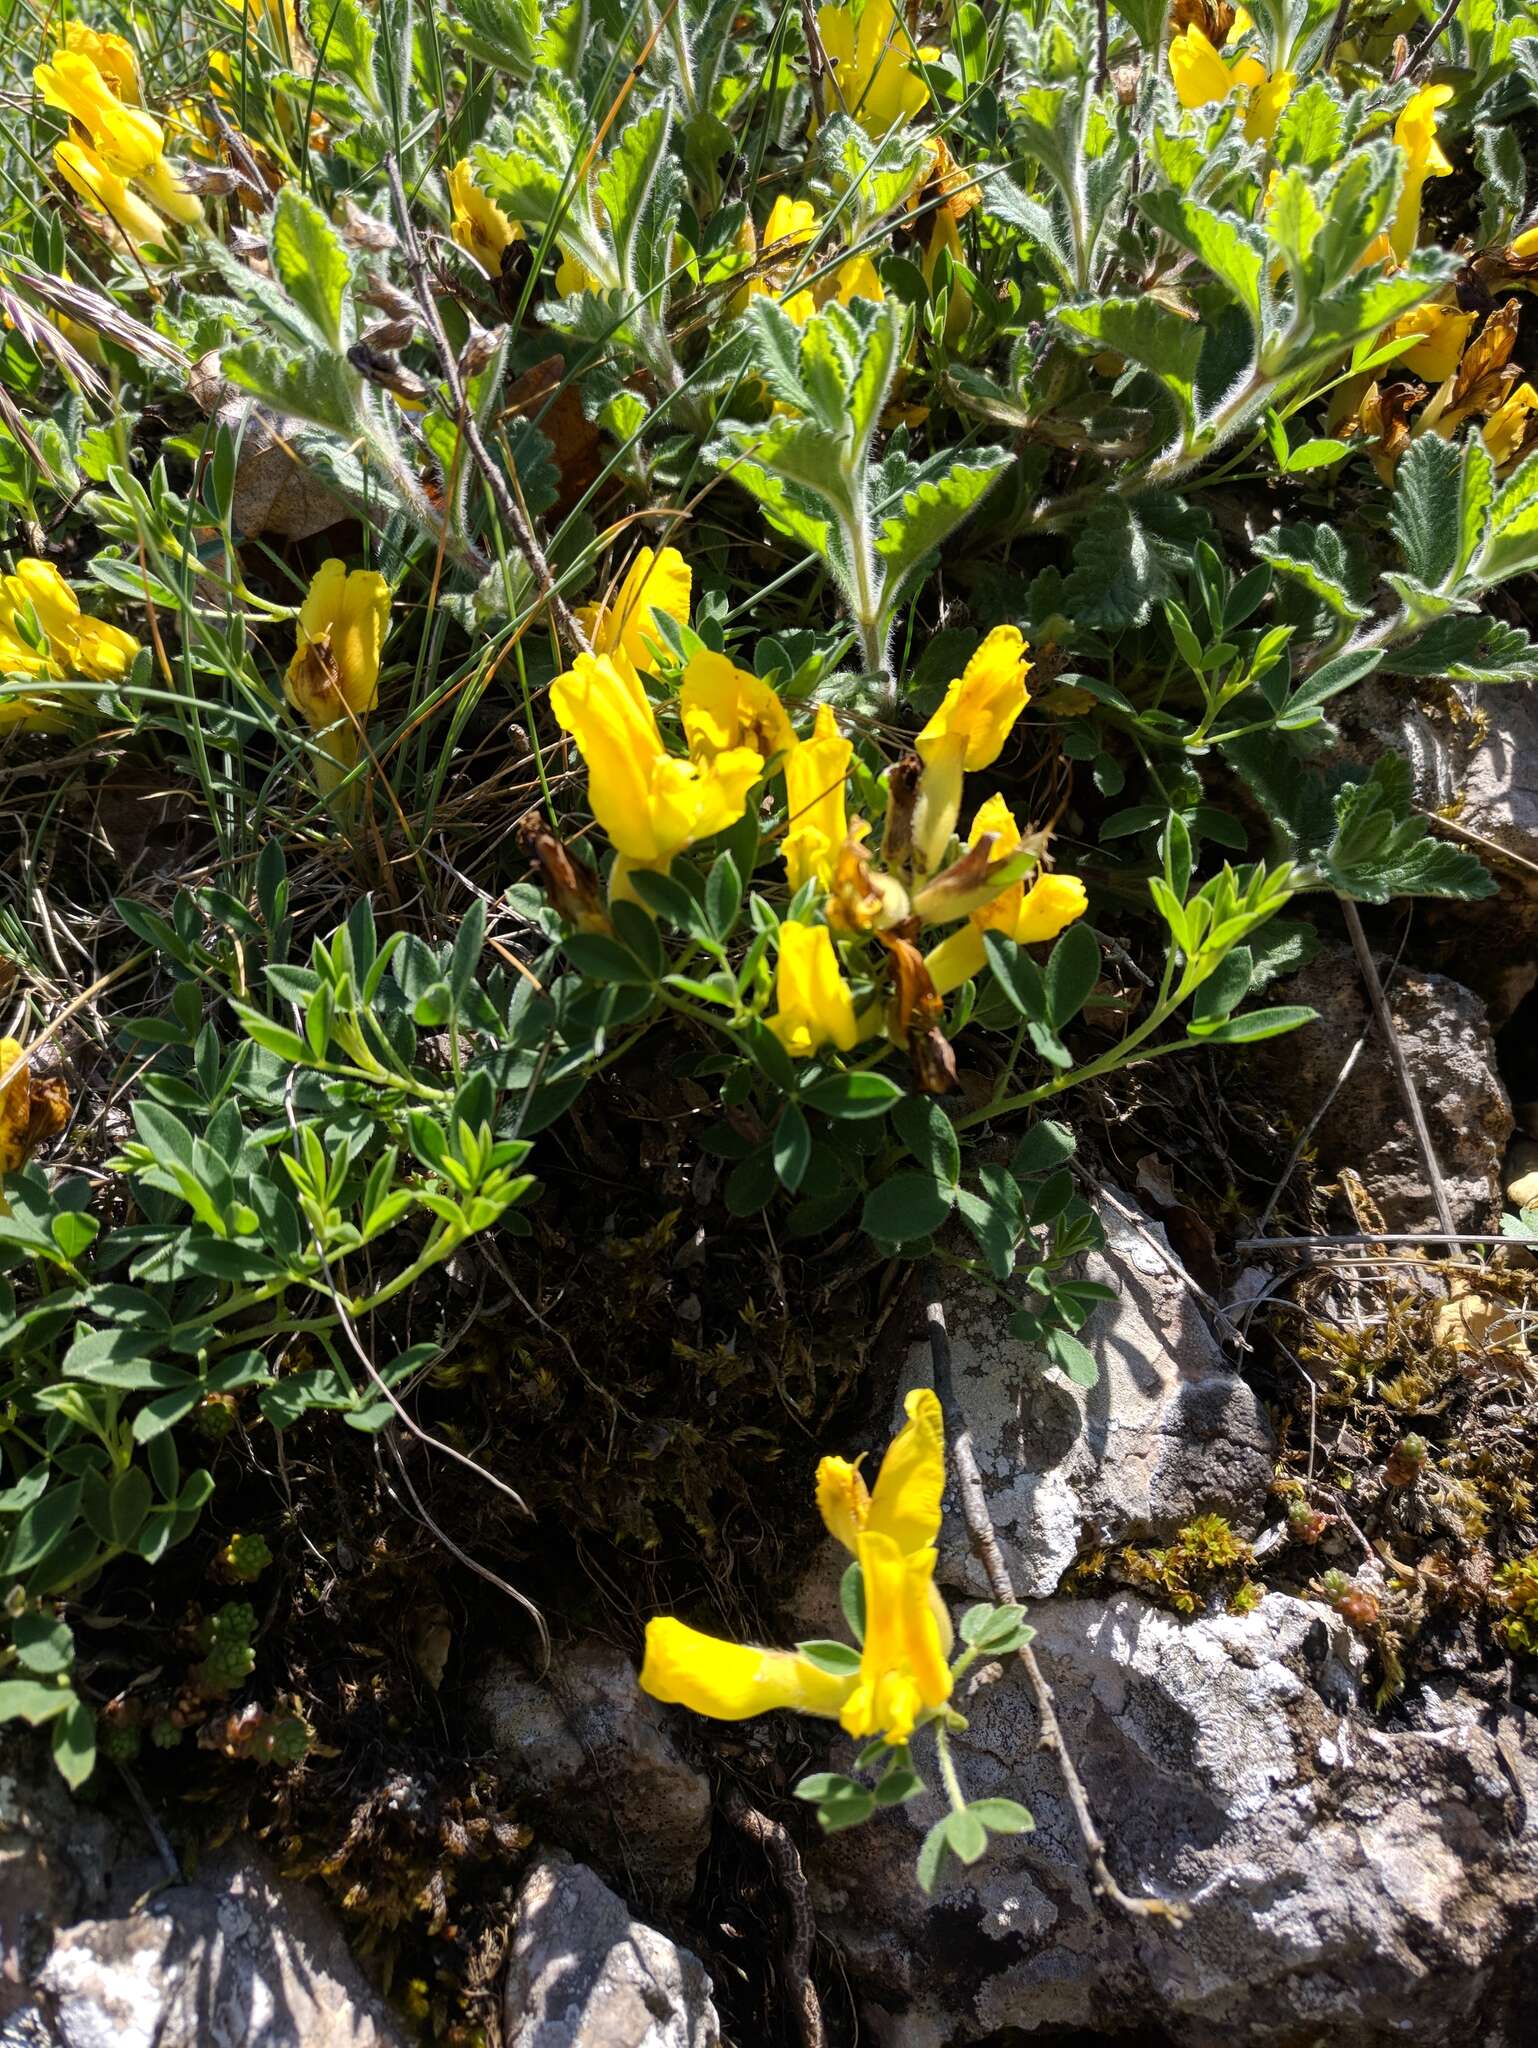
{"points": [[46, 637], [903, 1676], [115, 155], [653, 803]]}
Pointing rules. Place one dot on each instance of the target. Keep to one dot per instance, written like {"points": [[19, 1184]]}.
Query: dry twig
{"points": [[974, 1506], [796, 1958]]}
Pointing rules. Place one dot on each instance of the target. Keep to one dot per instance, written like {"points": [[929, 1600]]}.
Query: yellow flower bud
{"points": [[479, 225]]}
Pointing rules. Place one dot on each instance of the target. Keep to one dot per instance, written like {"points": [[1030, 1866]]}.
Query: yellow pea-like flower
{"points": [[333, 679], [479, 225], [1506, 431], [112, 55], [903, 1675], [733, 1681], [724, 707], [1415, 132], [625, 626], [968, 732], [78, 646], [83, 170], [816, 820], [1201, 76], [649, 802], [31, 1110], [872, 55], [1444, 332], [814, 1004]]}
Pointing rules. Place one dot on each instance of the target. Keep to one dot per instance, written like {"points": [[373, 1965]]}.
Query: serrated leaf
{"points": [[309, 259], [1146, 333], [1511, 539], [1316, 557], [931, 512], [1428, 489], [625, 182], [1230, 248], [319, 387]]}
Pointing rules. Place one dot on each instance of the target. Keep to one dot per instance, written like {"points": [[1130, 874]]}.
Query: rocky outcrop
{"points": [[238, 1959], [583, 1974], [600, 1764], [1342, 1884], [1444, 1031]]}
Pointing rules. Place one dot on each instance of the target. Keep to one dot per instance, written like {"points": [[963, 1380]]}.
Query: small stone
{"points": [[583, 1974], [598, 1760]]}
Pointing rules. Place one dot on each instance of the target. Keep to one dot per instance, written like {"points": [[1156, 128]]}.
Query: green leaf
{"points": [[1511, 543], [1425, 513], [1342, 672], [1253, 1025], [74, 1743], [1230, 248], [966, 1835], [502, 33], [906, 1208], [832, 1656], [1045, 1145], [1311, 132], [851, 1599], [605, 960], [751, 1184], [343, 36], [308, 257], [932, 1855], [1146, 332], [1001, 1816], [26, 1699], [931, 512], [791, 1146], [322, 388], [41, 1526], [1317, 558], [851, 1097], [626, 180], [898, 1784], [1071, 1357], [1468, 649], [930, 1136], [43, 1644], [1073, 968]]}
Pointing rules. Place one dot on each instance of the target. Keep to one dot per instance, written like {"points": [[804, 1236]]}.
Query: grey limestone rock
{"points": [[601, 1763], [583, 1974], [238, 1959], [1345, 1885]]}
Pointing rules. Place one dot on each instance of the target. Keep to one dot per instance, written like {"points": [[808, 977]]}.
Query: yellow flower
{"points": [[479, 226], [816, 823], [1522, 248], [871, 53], [1201, 76], [967, 733], [333, 679], [31, 1111], [1444, 331], [650, 804], [83, 170], [573, 276], [905, 1504], [815, 1007], [733, 1681], [855, 278], [723, 706], [1506, 430], [1031, 916], [127, 141], [903, 1672], [78, 645], [626, 626], [1416, 134], [113, 57]]}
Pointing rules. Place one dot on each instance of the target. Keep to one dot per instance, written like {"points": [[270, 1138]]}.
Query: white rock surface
{"points": [[238, 1959], [1345, 1886], [583, 1974], [1169, 1432]]}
